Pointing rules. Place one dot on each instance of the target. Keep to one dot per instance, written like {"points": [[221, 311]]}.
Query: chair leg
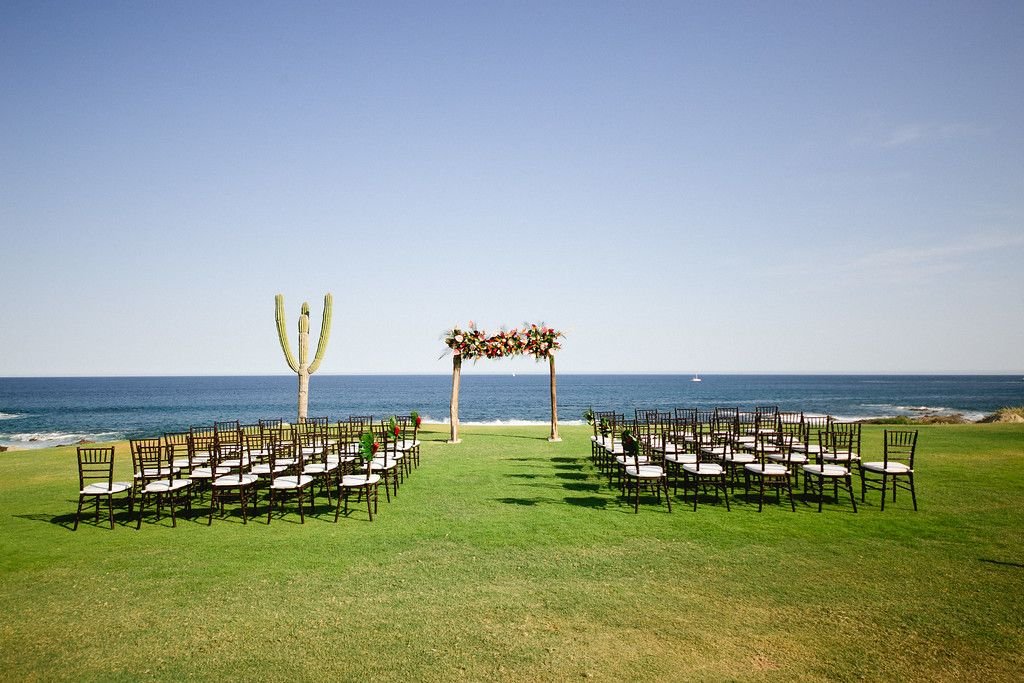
{"points": [[667, 499], [142, 504], [725, 493], [913, 494], [110, 509], [302, 516], [78, 513], [849, 486], [174, 521], [789, 489], [270, 505], [883, 491], [760, 498], [821, 489]]}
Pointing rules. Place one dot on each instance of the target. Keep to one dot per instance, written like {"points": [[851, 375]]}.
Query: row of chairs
{"points": [[723, 448], [230, 460]]}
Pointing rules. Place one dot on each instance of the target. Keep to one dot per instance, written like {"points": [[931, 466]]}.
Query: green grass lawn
{"points": [[506, 557]]}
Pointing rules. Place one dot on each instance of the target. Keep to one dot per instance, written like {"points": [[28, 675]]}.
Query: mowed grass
{"points": [[509, 558]]}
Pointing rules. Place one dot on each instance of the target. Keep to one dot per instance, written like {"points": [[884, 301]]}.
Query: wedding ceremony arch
{"points": [[538, 341]]}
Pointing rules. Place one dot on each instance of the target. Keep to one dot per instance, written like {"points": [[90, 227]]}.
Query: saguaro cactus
{"points": [[303, 367]]}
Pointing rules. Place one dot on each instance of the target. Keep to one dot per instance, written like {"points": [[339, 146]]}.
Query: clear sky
{"points": [[712, 187]]}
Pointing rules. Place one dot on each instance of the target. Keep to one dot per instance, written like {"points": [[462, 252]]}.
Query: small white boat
{"points": [[696, 378]]}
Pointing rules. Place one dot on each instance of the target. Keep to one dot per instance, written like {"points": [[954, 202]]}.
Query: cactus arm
{"points": [[282, 335], [325, 333]]}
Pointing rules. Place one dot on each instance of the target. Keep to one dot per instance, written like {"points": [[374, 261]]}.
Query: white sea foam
{"points": [[505, 423], [49, 439], [10, 416], [893, 410]]}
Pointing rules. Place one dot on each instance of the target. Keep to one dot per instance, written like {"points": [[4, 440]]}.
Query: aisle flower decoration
{"points": [[417, 420], [367, 450]]}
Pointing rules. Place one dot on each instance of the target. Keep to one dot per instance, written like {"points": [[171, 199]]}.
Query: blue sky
{"points": [[713, 187]]}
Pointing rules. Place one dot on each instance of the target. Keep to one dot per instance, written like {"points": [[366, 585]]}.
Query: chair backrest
{"points": [[411, 428], [767, 424], [900, 446], [313, 444], [766, 410], [723, 424], [277, 453], [847, 432], [95, 464], [685, 413], [746, 422], [837, 442], [813, 426], [229, 437], [136, 445], [271, 423], [201, 444], [388, 444], [632, 445], [250, 429], [177, 446], [154, 463]]}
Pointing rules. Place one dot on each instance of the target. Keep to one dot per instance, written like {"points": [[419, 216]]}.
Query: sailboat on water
{"points": [[696, 378]]}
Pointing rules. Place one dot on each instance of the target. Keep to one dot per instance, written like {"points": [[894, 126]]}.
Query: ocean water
{"points": [[36, 412]]}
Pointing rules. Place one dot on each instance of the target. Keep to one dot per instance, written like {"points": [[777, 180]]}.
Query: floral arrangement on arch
{"points": [[534, 340]]}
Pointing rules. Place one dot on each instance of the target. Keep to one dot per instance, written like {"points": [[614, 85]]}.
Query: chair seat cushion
{"points": [[154, 473], [738, 458], [681, 458], [359, 480], [827, 470], [769, 469], [336, 460], [229, 480], [628, 459], [167, 485], [102, 489], [292, 482], [645, 472], [390, 464], [842, 456], [234, 462], [710, 469], [263, 469], [319, 468], [893, 468], [408, 445], [795, 458]]}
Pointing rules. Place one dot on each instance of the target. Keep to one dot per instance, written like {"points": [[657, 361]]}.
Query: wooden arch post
{"points": [[453, 407], [554, 401]]}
